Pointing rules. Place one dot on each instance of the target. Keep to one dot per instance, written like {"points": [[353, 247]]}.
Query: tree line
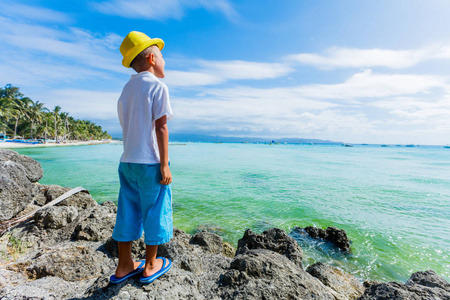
{"points": [[22, 117]]}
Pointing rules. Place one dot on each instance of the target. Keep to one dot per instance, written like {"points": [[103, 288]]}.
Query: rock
{"points": [[55, 217], [177, 246], [421, 285], [273, 239], [69, 262], [137, 248], [340, 281], [210, 242], [16, 190], [33, 169], [228, 250], [40, 198], [98, 224], [192, 264], [337, 237], [45, 288], [81, 200], [264, 274], [428, 278], [11, 278]]}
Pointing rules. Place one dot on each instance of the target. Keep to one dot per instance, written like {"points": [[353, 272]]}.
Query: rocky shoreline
{"points": [[66, 252]]}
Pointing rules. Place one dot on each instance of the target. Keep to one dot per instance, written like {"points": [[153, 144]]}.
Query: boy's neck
{"points": [[147, 70]]}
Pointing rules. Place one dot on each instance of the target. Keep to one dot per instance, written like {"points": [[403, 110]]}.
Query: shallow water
{"points": [[393, 202]]}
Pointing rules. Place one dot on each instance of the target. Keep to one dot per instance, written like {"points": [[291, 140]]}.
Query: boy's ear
{"points": [[151, 59]]}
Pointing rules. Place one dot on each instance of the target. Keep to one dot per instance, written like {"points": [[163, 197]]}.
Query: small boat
{"points": [[347, 145]]}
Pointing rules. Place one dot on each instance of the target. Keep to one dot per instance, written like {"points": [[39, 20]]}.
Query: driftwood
{"points": [[7, 225]]}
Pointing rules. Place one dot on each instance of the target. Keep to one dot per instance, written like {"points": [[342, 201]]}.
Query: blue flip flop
{"points": [[115, 280], [158, 274]]}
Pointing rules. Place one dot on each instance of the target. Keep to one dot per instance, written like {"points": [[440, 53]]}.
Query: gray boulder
{"points": [[273, 239], [421, 285], [264, 274], [46, 288], [33, 169], [67, 220], [210, 242], [81, 200], [69, 261], [338, 280], [428, 278], [16, 190], [337, 237], [97, 224], [55, 217]]}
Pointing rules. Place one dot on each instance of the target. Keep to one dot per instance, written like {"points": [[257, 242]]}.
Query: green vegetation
{"points": [[16, 247], [22, 117]]}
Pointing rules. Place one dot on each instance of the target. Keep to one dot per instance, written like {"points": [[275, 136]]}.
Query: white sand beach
{"points": [[61, 144]]}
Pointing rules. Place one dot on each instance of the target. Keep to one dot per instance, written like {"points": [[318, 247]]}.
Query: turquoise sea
{"points": [[393, 202]]}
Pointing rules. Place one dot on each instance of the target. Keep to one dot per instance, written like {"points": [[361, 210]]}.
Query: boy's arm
{"points": [[162, 136]]}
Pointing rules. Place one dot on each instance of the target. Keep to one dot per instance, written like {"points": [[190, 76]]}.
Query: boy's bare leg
{"points": [[126, 262], [152, 265]]}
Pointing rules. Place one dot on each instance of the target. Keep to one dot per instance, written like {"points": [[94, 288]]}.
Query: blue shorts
{"points": [[144, 205]]}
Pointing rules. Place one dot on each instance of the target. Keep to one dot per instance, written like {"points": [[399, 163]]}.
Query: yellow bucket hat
{"points": [[134, 43]]}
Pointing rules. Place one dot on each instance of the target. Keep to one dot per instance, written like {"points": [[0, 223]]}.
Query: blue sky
{"points": [[353, 71]]}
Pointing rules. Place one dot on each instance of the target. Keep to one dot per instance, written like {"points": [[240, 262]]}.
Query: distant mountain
{"points": [[177, 137]]}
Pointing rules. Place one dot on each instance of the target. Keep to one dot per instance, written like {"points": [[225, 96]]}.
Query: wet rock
{"points": [[273, 239], [338, 280], [421, 285], [210, 242], [209, 227], [69, 262], [81, 200], [16, 190], [336, 236], [55, 217], [33, 169], [97, 224]]}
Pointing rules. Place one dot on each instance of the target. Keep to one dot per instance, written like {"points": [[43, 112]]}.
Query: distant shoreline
{"points": [[12, 145]]}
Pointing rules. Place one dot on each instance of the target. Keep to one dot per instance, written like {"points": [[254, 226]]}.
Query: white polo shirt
{"points": [[144, 100]]}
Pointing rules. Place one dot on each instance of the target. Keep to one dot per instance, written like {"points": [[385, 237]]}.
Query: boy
{"points": [[145, 197]]}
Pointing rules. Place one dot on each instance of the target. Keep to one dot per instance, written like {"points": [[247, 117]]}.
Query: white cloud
{"points": [[161, 9], [72, 47], [189, 79], [217, 72], [367, 84], [84, 104], [337, 57], [365, 106], [41, 14], [237, 69]]}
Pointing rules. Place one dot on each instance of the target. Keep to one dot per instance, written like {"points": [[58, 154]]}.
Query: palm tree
{"points": [[56, 111], [21, 110], [47, 115], [36, 114], [5, 113], [64, 116]]}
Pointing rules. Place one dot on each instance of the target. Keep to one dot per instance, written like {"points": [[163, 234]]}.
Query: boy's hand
{"points": [[166, 175]]}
